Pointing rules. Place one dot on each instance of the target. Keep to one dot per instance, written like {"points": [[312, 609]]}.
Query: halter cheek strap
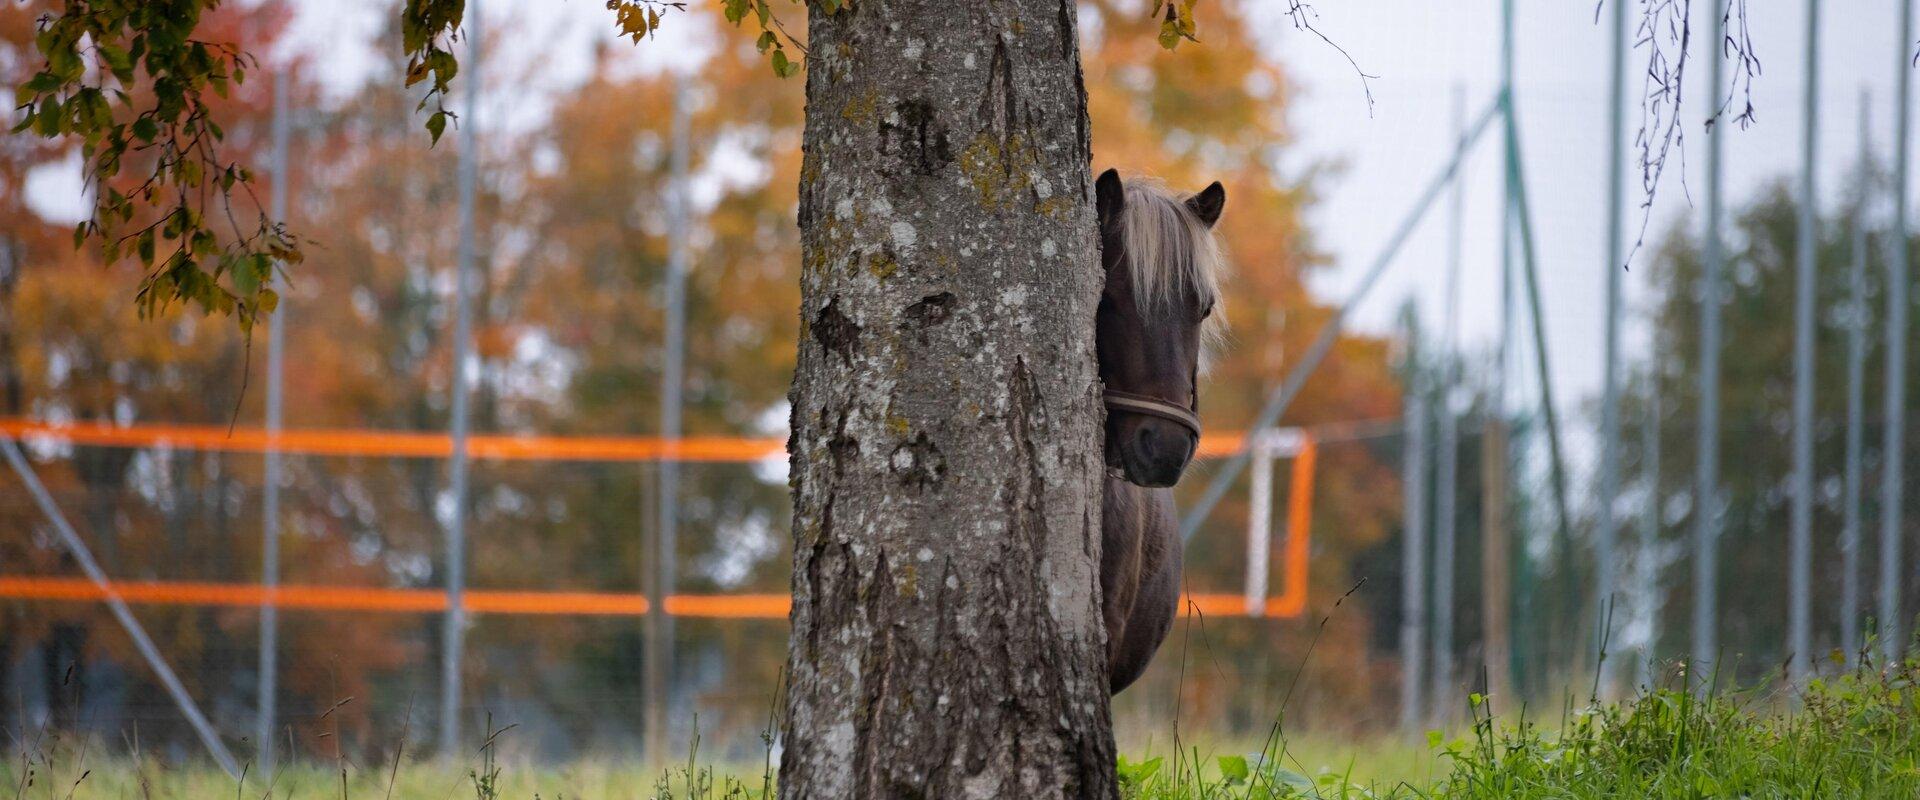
{"points": [[1117, 400]]}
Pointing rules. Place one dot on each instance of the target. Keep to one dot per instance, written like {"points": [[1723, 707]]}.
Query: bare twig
{"points": [[1665, 33], [1303, 15]]}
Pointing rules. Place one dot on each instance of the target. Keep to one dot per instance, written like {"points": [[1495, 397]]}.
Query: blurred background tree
{"points": [[1756, 421], [572, 255]]}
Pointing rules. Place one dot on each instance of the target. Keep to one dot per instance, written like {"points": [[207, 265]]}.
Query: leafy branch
{"points": [[129, 80]]}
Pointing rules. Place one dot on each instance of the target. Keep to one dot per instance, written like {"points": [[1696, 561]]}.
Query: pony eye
{"points": [[1208, 311]]}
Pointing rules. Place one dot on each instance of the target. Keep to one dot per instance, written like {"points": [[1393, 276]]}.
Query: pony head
{"points": [[1159, 313]]}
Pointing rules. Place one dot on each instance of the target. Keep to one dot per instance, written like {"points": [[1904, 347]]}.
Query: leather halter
{"points": [[1117, 400]]}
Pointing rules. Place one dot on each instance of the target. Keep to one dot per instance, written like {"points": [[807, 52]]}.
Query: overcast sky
{"points": [[1419, 50]]}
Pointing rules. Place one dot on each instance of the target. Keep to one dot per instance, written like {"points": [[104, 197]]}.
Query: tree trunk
{"points": [[946, 639]]}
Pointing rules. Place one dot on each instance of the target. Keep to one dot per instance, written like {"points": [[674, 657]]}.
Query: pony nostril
{"points": [[1146, 442], [1179, 447]]}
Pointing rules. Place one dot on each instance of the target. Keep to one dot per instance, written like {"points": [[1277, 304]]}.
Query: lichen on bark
{"points": [[945, 470]]}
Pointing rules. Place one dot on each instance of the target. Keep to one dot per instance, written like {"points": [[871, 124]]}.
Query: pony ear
{"points": [[1208, 204], [1109, 196]]}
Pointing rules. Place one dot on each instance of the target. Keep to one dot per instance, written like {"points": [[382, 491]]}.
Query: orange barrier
{"points": [[383, 600], [430, 601], [1293, 596], [408, 444], [321, 442]]}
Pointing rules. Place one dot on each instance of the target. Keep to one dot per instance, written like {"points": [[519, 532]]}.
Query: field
{"points": [[1853, 735]]}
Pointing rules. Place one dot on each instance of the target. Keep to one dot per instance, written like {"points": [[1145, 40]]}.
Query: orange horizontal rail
{"points": [[347, 442], [409, 444], [356, 598]]}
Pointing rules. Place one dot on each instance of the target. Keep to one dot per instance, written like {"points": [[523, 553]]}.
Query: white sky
{"points": [[1420, 50]]}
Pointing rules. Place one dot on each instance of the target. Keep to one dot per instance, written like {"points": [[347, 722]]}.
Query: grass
{"points": [[1855, 735]]}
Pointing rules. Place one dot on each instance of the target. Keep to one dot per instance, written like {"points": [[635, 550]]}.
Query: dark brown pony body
{"points": [[1160, 262]]}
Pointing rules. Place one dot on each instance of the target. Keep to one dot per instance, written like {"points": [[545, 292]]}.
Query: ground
{"points": [[1855, 734]]}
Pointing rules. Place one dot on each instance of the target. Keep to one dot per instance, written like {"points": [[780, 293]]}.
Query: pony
{"points": [[1158, 317]]}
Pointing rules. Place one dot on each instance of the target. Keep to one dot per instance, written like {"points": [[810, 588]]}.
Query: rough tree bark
{"points": [[946, 640]]}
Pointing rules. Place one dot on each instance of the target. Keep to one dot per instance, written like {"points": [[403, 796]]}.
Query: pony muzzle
{"points": [[1149, 440]]}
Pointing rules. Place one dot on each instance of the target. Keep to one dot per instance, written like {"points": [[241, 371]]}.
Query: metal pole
{"points": [[270, 503], [1529, 264], [1650, 531], [1413, 544], [1800, 529], [1706, 479], [659, 661], [1283, 394], [84, 557], [1447, 459], [453, 642], [1893, 447], [1259, 524], [1506, 207], [1856, 405], [1606, 523], [1496, 597]]}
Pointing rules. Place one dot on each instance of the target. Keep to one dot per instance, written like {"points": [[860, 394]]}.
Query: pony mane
{"points": [[1170, 252]]}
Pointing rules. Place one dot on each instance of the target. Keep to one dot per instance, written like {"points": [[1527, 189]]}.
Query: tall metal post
{"points": [[1606, 523], [1649, 561], [1856, 404], [1413, 541], [1800, 527], [1448, 450], [659, 659], [453, 631], [1706, 478], [270, 500], [1259, 522], [1893, 446], [1495, 597], [1530, 270]]}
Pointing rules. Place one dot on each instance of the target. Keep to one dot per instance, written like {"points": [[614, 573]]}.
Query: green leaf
{"points": [[245, 281], [117, 60], [436, 125], [49, 118], [783, 67], [1293, 779], [144, 129], [1137, 773], [1234, 768]]}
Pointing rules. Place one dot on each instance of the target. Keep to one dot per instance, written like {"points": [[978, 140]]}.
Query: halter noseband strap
{"points": [[1117, 400]]}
